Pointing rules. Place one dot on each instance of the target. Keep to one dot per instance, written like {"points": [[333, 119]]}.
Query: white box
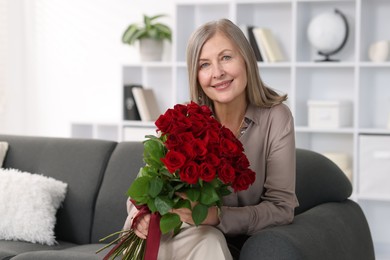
{"points": [[374, 164], [329, 113]]}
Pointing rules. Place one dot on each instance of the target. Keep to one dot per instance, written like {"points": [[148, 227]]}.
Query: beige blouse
{"points": [[269, 142], [268, 138]]}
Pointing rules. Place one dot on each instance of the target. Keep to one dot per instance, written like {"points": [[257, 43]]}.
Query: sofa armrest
{"points": [[336, 230]]}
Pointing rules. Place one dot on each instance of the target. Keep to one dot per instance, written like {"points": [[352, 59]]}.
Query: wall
{"points": [[65, 61]]}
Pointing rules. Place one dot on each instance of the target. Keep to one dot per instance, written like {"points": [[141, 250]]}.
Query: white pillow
{"points": [[28, 206], [3, 152]]}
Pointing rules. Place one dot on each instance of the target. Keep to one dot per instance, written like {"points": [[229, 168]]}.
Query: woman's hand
{"points": [[185, 214], [142, 226]]}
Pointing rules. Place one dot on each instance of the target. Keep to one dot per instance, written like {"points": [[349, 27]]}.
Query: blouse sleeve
{"points": [[277, 199], [131, 211]]}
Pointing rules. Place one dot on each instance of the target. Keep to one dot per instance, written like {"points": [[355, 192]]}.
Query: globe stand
{"points": [[326, 57], [328, 54]]}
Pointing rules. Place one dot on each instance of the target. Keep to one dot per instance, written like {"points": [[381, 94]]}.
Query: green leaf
{"points": [[139, 188], [151, 205], [163, 204], [193, 194], [169, 222], [179, 186], [208, 195], [177, 229], [156, 185], [183, 204], [223, 191], [199, 213], [148, 171], [153, 151]]}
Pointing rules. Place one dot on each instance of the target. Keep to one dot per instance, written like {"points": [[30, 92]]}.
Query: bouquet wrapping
{"points": [[192, 154]]}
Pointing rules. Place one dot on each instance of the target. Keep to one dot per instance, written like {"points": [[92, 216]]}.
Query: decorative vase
{"points": [[379, 51], [151, 49]]}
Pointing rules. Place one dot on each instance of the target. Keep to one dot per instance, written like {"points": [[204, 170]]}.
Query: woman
{"points": [[223, 74]]}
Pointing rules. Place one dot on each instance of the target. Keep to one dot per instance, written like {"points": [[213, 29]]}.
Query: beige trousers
{"points": [[194, 243]]}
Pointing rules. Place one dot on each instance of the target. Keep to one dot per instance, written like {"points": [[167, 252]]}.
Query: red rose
{"points": [[194, 108], [199, 148], [165, 122], [229, 148], [226, 173], [243, 180], [173, 161], [207, 172], [173, 141], [186, 137], [226, 133], [190, 173], [182, 109], [180, 123], [187, 150], [197, 126], [211, 136], [242, 162], [213, 159]]}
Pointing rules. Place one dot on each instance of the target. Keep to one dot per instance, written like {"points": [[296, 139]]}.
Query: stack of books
{"points": [[264, 44], [140, 103]]}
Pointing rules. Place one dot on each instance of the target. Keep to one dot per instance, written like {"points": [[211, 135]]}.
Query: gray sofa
{"points": [[327, 225]]}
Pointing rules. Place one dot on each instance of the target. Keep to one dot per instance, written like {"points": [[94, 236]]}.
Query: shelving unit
{"points": [[354, 78]]}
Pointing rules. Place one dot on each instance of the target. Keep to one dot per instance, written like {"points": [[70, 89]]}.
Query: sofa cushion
{"points": [[3, 152], [11, 248], [123, 167], [78, 162], [83, 252], [28, 206], [319, 180]]}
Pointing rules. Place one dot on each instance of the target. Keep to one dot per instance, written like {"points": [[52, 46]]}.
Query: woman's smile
{"points": [[222, 85]]}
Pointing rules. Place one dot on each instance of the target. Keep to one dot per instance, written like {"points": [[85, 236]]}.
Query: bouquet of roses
{"points": [[192, 154]]}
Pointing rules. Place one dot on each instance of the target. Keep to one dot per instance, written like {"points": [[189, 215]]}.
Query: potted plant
{"points": [[151, 35]]}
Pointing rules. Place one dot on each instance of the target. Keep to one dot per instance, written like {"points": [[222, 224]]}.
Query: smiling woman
{"points": [[224, 76]]}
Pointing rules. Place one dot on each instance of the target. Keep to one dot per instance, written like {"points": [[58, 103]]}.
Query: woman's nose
{"points": [[218, 71]]}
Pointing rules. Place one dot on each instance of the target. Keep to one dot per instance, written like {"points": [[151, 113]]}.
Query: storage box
{"points": [[374, 164], [329, 113]]}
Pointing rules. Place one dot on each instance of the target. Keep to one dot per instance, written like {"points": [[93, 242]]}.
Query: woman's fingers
{"points": [[184, 214], [142, 227]]}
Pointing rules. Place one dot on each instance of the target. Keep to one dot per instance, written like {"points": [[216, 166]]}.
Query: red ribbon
{"points": [[154, 232]]}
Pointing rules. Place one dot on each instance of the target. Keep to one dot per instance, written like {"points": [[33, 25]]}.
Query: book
{"points": [[247, 30], [130, 110], [260, 44], [147, 104], [269, 44], [252, 41]]}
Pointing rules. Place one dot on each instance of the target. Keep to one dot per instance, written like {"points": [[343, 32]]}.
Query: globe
{"points": [[328, 33]]}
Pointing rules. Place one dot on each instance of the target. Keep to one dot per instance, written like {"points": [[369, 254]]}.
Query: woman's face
{"points": [[222, 70]]}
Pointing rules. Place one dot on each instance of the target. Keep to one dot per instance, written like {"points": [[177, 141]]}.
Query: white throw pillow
{"points": [[28, 206], [3, 152]]}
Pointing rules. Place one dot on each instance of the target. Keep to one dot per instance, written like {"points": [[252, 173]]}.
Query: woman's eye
{"points": [[226, 57], [203, 65]]}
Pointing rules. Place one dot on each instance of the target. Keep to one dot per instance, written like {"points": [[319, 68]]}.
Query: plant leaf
{"points": [[193, 194], [163, 204], [156, 185], [139, 188], [169, 222], [208, 195], [183, 204], [223, 191], [151, 205], [199, 213], [153, 151]]}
